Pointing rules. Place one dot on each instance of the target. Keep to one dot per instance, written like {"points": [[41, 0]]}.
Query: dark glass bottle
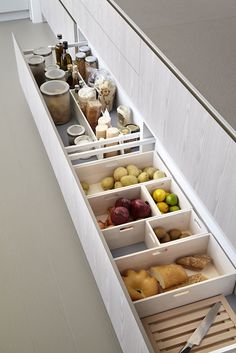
{"points": [[59, 49], [69, 79], [65, 57]]}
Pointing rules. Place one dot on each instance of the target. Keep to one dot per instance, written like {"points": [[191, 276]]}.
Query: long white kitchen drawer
{"points": [[125, 315]]}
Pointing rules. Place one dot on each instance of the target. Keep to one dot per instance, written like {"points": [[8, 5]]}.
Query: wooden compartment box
{"points": [[93, 173], [220, 273], [124, 314]]}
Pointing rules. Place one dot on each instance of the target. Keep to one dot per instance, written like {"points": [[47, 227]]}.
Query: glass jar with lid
{"points": [[55, 74], [85, 49], [90, 63], [80, 62], [46, 53], [37, 66]]}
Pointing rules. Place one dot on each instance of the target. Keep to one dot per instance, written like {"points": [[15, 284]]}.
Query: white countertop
{"points": [[198, 37]]}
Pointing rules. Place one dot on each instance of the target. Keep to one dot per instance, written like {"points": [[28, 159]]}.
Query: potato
{"points": [[133, 170], [107, 183], [143, 177], [119, 173], [128, 180]]}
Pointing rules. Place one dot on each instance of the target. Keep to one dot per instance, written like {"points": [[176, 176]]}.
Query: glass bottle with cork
{"points": [[65, 57]]}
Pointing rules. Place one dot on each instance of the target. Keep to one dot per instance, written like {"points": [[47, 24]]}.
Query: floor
{"points": [[49, 302]]}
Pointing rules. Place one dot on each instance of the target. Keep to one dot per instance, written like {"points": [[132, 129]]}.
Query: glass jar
{"points": [[55, 74], [93, 112], [112, 132], [106, 88], [46, 53], [90, 63], [83, 141], [51, 67], [86, 94], [85, 49], [57, 97], [74, 131], [37, 66], [80, 62]]}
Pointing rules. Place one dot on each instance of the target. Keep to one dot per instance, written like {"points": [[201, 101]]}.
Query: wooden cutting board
{"points": [[169, 331]]}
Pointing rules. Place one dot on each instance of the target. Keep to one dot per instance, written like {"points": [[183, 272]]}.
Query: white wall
{"points": [[13, 5]]}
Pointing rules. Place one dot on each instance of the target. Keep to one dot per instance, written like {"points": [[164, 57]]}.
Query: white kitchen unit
{"points": [[14, 10], [175, 136]]}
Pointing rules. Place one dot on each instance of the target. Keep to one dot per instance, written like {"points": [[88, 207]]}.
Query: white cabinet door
{"points": [[13, 5]]}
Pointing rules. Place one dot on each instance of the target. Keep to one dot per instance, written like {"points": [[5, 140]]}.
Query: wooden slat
{"points": [[169, 331]]}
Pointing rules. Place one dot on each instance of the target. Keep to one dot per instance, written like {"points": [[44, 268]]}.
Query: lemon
{"points": [[159, 195], [172, 199], [174, 208], [163, 207]]}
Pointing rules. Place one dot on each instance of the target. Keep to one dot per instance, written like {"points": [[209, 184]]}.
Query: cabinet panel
{"points": [[197, 144], [58, 19], [118, 31], [116, 62]]}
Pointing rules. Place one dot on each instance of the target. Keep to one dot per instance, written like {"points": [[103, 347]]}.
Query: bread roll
{"points": [[194, 262], [198, 277], [169, 275], [139, 284]]}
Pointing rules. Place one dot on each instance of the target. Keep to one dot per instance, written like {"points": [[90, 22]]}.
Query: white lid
{"points": [[55, 74], [54, 87], [84, 48], [90, 59], [82, 140], [80, 55], [87, 92], [75, 130], [35, 60], [51, 67], [43, 51]]}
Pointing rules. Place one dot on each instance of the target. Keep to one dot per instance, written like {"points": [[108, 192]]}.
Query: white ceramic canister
{"points": [[74, 131], [46, 53], [57, 97], [37, 66], [83, 141]]}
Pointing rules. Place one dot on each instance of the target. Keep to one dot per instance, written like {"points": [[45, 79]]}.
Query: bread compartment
{"points": [[93, 173], [163, 190], [220, 273], [176, 226], [102, 205], [130, 238]]}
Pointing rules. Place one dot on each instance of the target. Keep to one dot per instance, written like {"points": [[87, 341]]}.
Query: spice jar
{"points": [[93, 112], [55, 74], [85, 49], [37, 65], [80, 62], [123, 116], [74, 131], [90, 63], [86, 94], [57, 97], [112, 132], [126, 131], [46, 53]]}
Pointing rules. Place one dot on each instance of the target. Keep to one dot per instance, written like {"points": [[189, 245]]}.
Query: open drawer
{"points": [[125, 315]]}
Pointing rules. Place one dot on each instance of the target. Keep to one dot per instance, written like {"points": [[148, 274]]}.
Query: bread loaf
{"points": [[194, 262], [169, 275]]}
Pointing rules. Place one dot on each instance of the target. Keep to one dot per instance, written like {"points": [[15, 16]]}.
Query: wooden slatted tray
{"points": [[168, 331]]}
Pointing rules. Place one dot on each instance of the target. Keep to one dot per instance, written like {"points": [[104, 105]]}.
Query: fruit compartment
{"points": [[169, 186], [130, 238], [102, 204], [220, 273], [176, 226], [93, 173]]}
